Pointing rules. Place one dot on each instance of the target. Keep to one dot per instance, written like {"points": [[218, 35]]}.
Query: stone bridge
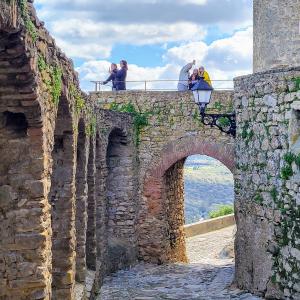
{"points": [[173, 132], [90, 184]]}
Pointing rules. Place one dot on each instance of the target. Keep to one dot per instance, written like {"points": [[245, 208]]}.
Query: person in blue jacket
{"points": [[121, 76], [112, 77]]}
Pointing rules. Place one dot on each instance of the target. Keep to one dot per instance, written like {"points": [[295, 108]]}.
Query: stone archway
{"points": [[120, 200], [160, 229]]}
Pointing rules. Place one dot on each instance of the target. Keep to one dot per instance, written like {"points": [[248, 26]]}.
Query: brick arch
{"points": [[192, 145], [161, 239]]}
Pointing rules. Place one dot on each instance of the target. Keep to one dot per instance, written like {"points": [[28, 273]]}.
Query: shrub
{"points": [[221, 210]]}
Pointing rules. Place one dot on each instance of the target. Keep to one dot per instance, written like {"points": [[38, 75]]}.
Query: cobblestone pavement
{"points": [[206, 277]]}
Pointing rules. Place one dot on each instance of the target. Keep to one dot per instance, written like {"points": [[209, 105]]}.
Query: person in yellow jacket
{"points": [[205, 75]]}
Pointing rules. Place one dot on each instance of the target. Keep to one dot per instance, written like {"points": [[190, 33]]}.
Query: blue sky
{"points": [[156, 37]]}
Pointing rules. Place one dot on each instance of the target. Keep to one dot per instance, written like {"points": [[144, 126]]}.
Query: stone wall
{"points": [[174, 207], [171, 132], [267, 183], [116, 204], [276, 34], [53, 147]]}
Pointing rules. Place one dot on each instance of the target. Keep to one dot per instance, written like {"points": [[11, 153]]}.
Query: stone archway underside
{"points": [[161, 236]]}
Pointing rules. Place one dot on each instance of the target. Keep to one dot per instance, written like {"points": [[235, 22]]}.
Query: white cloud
{"points": [[86, 40], [224, 59]]}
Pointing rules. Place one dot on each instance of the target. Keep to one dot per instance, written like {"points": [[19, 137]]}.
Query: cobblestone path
{"points": [[207, 277]]}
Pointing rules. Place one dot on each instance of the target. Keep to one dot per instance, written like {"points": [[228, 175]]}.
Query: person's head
{"points": [[201, 69], [113, 67], [195, 72], [123, 64]]}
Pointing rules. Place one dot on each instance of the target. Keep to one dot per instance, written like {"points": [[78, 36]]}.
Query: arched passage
{"points": [[161, 218], [121, 200], [62, 199]]}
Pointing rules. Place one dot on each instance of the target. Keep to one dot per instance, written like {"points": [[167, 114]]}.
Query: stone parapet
{"points": [[208, 225]]}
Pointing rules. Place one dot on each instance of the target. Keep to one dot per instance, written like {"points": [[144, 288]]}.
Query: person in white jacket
{"points": [[183, 83]]}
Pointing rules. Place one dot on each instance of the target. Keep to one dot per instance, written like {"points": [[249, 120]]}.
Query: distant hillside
{"points": [[207, 183]]}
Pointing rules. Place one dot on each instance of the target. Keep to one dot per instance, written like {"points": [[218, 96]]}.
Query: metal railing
{"points": [[159, 85]]}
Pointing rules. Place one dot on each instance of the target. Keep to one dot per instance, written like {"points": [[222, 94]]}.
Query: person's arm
{"points": [[187, 67], [110, 78]]}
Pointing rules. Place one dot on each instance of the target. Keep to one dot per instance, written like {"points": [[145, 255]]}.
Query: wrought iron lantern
{"points": [[202, 94]]}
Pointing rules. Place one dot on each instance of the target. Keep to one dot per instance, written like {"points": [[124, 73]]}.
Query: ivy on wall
{"points": [[52, 78], [29, 25], [140, 119]]}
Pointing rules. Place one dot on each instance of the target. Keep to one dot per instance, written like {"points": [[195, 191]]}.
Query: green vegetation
{"points": [[247, 133], [79, 101], [56, 83], [91, 126], [297, 83], [27, 20], [287, 170], [224, 122], [218, 106], [274, 194], [140, 119], [53, 79], [258, 198], [222, 210]]}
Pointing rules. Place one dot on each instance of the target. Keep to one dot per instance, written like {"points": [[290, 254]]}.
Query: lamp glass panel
{"points": [[196, 96], [204, 96]]}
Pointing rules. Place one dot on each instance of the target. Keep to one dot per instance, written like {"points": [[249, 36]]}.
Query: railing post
{"points": [[145, 85]]}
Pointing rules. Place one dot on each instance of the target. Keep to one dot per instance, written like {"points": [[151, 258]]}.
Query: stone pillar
{"points": [[276, 34], [81, 202], [174, 193], [62, 198], [91, 223]]}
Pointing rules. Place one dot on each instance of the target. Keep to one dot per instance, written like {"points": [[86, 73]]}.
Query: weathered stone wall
{"points": [[116, 190], [276, 34], [174, 207], [83, 147], [30, 129], [172, 132], [51, 154], [267, 183]]}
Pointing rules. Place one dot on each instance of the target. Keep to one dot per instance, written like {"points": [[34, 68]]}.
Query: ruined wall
{"points": [[116, 188], [276, 34], [267, 183], [51, 198], [29, 131], [167, 130]]}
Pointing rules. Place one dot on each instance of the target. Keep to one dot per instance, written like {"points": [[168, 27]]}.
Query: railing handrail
{"points": [[98, 84]]}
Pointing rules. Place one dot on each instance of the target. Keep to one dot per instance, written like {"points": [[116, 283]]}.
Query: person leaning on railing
{"points": [[183, 83], [203, 74], [193, 78], [112, 77], [121, 76]]}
